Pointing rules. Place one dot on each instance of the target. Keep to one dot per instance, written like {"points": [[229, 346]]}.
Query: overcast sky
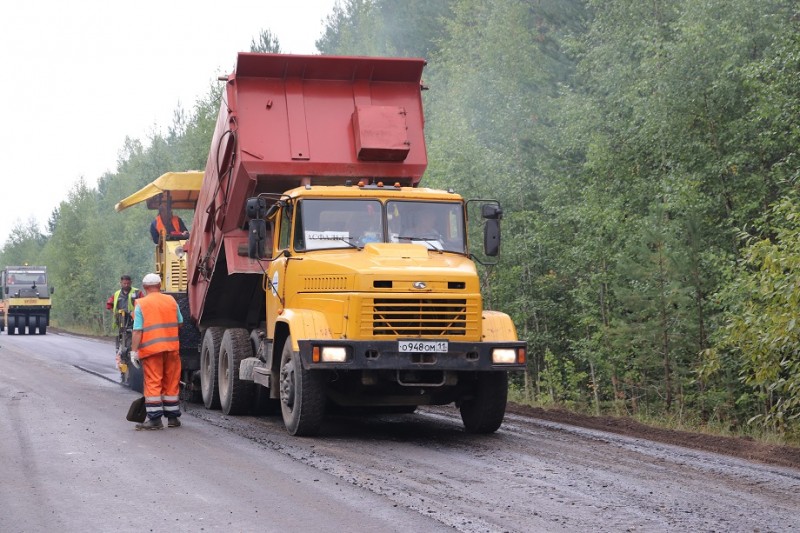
{"points": [[76, 78]]}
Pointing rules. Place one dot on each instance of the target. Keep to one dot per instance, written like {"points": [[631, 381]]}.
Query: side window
{"points": [[286, 228]]}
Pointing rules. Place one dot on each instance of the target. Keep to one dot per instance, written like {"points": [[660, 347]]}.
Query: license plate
{"points": [[422, 346]]}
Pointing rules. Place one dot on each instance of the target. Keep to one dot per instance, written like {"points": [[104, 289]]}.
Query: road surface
{"points": [[71, 462]]}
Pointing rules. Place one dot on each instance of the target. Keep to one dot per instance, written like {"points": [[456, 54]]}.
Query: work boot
{"points": [[150, 423], [173, 422]]}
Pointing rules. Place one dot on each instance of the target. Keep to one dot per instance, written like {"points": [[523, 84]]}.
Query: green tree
{"points": [[72, 258], [23, 245], [267, 43], [762, 320]]}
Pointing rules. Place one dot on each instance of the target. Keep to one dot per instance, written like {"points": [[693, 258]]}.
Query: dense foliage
{"points": [[646, 155]]}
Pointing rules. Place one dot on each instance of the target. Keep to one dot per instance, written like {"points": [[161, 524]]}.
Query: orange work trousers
{"points": [[162, 384]]}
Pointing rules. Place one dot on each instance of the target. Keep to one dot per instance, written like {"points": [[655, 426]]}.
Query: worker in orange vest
{"points": [[155, 348], [167, 224]]}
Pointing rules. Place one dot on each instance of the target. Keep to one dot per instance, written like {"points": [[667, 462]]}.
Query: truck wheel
{"points": [[12, 325], [209, 353], [484, 410], [234, 394], [302, 395]]}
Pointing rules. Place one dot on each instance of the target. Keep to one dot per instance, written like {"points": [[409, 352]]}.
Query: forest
{"points": [[646, 157]]}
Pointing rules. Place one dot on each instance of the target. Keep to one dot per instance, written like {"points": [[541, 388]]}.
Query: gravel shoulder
{"points": [[742, 447]]}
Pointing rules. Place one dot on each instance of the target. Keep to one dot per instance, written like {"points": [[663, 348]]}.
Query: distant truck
{"points": [[310, 276], [25, 305]]}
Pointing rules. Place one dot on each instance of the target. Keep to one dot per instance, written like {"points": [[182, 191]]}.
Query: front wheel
{"points": [[484, 409], [209, 352], [302, 395]]}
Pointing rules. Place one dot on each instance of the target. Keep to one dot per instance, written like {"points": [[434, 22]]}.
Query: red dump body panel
{"points": [[289, 120]]}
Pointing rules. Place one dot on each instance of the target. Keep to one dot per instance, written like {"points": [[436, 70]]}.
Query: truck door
{"points": [[276, 273]]}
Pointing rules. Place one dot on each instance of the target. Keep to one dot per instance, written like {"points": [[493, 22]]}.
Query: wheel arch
{"points": [[300, 324], [498, 326]]}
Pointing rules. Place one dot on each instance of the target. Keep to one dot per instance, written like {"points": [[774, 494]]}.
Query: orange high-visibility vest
{"points": [[159, 324], [176, 226]]}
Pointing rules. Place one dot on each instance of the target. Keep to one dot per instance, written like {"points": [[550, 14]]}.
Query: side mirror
{"points": [[491, 237], [256, 207], [257, 238], [52, 290], [491, 211]]}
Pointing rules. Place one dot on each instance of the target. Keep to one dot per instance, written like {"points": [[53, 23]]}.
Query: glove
{"points": [[135, 360]]}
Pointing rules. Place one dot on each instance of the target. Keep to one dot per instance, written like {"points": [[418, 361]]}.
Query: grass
{"points": [[681, 421]]}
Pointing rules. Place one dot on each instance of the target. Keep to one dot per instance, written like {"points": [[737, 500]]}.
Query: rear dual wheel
{"points": [[209, 354], [235, 394]]}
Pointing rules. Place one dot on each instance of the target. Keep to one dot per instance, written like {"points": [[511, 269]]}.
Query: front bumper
{"points": [[384, 355]]}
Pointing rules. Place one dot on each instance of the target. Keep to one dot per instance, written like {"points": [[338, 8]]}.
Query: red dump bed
{"points": [[289, 120]]}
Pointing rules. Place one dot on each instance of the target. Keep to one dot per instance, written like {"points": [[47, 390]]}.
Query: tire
{"points": [[209, 354], [235, 395], [12, 325], [483, 411], [42, 330], [302, 395]]}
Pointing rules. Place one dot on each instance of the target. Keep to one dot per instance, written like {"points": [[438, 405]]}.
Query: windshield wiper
{"points": [[415, 238], [348, 240]]}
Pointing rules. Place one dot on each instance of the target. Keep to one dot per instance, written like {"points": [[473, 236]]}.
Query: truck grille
{"points": [[420, 317]]}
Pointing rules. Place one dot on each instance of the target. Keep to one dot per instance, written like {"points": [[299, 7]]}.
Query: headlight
{"points": [[504, 356], [334, 354]]}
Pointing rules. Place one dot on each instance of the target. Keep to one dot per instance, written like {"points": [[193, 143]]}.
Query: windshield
{"points": [[326, 224], [26, 277], [437, 225]]}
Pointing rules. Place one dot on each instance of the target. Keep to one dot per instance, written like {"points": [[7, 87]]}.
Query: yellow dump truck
{"points": [[320, 274]]}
